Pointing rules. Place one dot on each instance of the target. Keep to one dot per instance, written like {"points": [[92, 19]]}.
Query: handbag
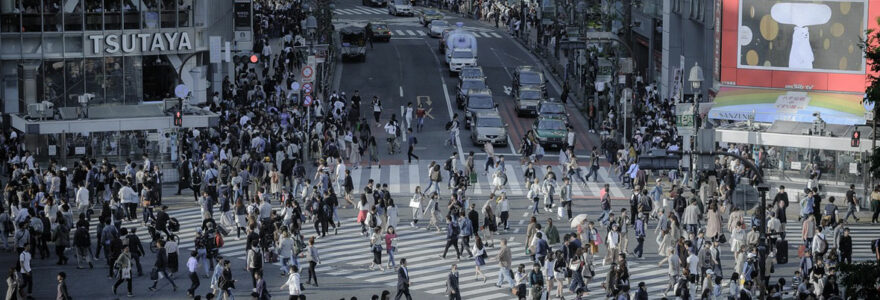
{"points": [[154, 274], [722, 239], [560, 212], [473, 178], [414, 202]]}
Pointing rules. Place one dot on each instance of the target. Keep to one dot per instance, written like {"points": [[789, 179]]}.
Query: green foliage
{"points": [[860, 280], [871, 46]]}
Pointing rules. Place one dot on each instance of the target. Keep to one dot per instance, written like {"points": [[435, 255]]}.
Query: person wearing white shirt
{"points": [[191, 264], [82, 200], [612, 241], [24, 260], [293, 283], [129, 200], [693, 267]]}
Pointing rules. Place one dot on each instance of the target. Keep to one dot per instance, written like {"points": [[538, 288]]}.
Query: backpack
{"points": [[680, 287], [823, 245], [448, 164], [133, 244], [37, 225], [81, 236], [258, 260], [218, 240], [448, 125], [455, 229]]}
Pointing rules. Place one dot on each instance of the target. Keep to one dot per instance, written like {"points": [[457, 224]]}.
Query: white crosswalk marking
{"points": [[360, 11], [413, 175], [421, 33], [398, 32], [495, 35], [395, 184], [410, 32]]}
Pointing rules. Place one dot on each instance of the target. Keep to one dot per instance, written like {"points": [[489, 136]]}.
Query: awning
{"points": [[769, 105]]}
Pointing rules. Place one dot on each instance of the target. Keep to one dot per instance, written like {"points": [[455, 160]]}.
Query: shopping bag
{"points": [[801, 250], [473, 178], [414, 202], [560, 212]]}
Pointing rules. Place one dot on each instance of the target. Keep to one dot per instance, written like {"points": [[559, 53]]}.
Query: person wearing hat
{"points": [[708, 282], [642, 292]]}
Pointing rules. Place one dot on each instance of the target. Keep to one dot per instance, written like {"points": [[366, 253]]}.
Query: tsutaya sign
{"points": [[143, 43]]}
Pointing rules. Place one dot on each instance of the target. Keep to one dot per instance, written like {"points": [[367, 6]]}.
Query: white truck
{"points": [[461, 49]]}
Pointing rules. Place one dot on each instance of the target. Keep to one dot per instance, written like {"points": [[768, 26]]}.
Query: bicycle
{"points": [[156, 235]]}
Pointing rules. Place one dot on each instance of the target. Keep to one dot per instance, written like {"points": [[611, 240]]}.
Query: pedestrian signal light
{"points": [[178, 118], [856, 139], [254, 58]]}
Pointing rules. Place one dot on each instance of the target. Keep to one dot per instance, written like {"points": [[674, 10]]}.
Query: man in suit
{"points": [[402, 281], [452, 284]]}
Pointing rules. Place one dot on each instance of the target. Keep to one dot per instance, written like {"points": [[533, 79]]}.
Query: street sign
{"points": [[307, 73], [307, 88], [307, 100], [684, 121], [294, 86]]}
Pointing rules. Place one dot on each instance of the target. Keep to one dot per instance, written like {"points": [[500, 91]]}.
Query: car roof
{"points": [[559, 117], [480, 79], [488, 114], [428, 11], [551, 102], [529, 88], [376, 23], [474, 92], [526, 69]]}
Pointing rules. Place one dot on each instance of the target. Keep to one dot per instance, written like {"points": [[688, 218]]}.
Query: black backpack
{"points": [[448, 125], [448, 164], [258, 260]]}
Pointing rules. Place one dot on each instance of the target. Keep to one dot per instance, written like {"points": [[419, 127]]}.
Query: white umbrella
{"points": [[577, 220]]}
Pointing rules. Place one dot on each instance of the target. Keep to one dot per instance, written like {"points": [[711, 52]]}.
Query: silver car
{"points": [[436, 28], [488, 128], [478, 101]]}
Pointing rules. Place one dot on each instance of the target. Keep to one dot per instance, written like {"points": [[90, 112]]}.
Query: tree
{"points": [[860, 280], [871, 46]]}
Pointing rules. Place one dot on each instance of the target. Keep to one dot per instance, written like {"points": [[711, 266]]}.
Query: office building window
{"points": [[94, 71], [74, 80], [52, 19]]}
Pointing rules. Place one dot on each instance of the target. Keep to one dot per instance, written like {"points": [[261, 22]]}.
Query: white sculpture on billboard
{"points": [[801, 15]]}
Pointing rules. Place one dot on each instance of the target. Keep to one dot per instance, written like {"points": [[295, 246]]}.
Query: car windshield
{"points": [[472, 84], [462, 54], [439, 23], [530, 78], [552, 108], [481, 102], [551, 124], [430, 13], [529, 95], [489, 122], [401, 2], [379, 27]]}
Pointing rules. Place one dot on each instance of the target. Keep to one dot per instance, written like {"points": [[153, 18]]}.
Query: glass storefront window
{"points": [[185, 15], [131, 14], [133, 85], [159, 78], [51, 17], [113, 80], [169, 13], [74, 80], [112, 15], [31, 16], [10, 21], [94, 71], [50, 86], [74, 21]]}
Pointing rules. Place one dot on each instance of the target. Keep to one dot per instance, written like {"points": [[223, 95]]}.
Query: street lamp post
{"points": [[695, 78]]}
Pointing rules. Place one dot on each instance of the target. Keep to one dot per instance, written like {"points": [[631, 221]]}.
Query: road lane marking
{"points": [[410, 32], [399, 32], [421, 33], [401, 91]]}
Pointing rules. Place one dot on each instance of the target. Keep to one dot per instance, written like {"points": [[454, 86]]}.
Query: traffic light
{"points": [[856, 139], [178, 118], [254, 58]]}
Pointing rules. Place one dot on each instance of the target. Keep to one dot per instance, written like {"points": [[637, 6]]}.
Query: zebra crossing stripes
{"points": [[360, 11], [404, 178]]}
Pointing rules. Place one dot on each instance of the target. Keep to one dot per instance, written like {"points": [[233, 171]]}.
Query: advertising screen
{"points": [[794, 44], [786, 35]]}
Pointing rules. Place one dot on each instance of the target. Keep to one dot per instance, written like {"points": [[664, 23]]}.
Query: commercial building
{"points": [[93, 76]]}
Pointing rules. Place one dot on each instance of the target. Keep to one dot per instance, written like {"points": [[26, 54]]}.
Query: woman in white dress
{"points": [[391, 212], [497, 181], [354, 155]]}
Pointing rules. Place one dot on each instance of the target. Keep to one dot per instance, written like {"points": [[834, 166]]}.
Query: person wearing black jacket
{"points": [[135, 248], [162, 220], [452, 288], [159, 267], [184, 171], [474, 216], [845, 247], [287, 171]]}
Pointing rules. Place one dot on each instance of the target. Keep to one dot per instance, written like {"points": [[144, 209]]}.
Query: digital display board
{"points": [[242, 15], [795, 44]]}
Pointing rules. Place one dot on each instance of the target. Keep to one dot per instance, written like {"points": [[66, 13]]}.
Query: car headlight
{"points": [[541, 138]]}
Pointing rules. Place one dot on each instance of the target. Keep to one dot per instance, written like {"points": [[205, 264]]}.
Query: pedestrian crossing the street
{"points": [[862, 235], [360, 11], [406, 177], [398, 33], [348, 255]]}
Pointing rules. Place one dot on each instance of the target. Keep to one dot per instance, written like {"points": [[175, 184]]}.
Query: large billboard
{"points": [[795, 44]]}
